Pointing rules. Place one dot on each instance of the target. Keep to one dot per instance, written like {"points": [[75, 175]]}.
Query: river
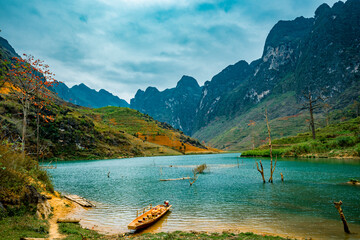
{"points": [[230, 195]]}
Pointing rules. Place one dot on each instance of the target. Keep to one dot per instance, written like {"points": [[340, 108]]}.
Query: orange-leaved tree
{"points": [[30, 79]]}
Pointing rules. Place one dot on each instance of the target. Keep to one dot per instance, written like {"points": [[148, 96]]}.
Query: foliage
{"points": [[15, 174], [200, 169], [333, 140], [75, 232], [14, 228]]}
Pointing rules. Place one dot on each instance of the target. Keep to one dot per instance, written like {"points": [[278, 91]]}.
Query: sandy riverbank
{"points": [[61, 207]]}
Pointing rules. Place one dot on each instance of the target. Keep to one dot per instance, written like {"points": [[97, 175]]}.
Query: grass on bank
{"points": [[16, 227], [335, 140], [75, 232], [196, 235]]}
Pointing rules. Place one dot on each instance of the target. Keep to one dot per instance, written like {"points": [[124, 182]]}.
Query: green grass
{"points": [[76, 232], [336, 140], [202, 235], [23, 226]]}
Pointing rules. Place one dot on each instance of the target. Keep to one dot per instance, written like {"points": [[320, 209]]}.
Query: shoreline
{"points": [[63, 211], [63, 208]]}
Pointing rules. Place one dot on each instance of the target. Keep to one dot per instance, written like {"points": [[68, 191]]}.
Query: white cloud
{"points": [[123, 45]]}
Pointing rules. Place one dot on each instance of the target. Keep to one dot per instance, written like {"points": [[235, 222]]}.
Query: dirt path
{"points": [[61, 208]]}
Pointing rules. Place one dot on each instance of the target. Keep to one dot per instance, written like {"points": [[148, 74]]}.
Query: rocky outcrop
{"points": [[176, 106], [320, 54], [32, 196]]}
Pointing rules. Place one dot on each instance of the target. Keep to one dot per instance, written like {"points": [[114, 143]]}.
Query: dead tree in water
{"points": [[261, 171], [198, 169], [342, 216], [272, 169], [193, 179]]}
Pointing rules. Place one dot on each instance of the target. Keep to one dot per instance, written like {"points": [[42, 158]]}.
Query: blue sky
{"points": [[124, 45]]}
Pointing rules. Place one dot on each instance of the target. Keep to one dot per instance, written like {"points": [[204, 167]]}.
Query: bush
{"points": [[357, 149], [345, 141], [301, 148]]}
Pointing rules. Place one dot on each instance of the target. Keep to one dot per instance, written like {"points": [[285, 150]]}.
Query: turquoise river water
{"points": [[229, 196]]}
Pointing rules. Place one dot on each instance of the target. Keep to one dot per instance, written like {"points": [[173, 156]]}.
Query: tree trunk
{"points": [[261, 171], [312, 123], [37, 136], [342, 216], [24, 125], [270, 147]]}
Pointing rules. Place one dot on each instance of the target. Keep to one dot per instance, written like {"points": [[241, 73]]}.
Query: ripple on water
{"points": [[227, 196]]}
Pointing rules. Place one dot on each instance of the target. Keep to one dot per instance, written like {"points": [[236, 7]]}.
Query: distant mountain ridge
{"points": [[176, 106], [79, 94], [84, 96], [319, 54]]}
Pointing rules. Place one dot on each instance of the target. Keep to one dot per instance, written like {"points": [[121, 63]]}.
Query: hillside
{"points": [[73, 132], [336, 140], [318, 55]]}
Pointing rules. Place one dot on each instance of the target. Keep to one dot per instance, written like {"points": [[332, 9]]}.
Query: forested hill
{"points": [[320, 55], [67, 131]]}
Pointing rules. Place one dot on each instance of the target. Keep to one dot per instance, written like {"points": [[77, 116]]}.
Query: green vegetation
{"points": [[16, 175], [336, 140], [75, 232], [202, 235], [13, 228]]}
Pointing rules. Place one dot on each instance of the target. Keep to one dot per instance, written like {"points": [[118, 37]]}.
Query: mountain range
{"points": [[320, 55], [79, 94], [84, 96]]}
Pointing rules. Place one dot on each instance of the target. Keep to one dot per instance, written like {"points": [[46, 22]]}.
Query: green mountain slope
{"points": [[336, 140], [83, 133]]}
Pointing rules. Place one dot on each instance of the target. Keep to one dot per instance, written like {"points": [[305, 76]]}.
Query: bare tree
{"points": [[311, 104], [342, 216], [272, 169], [261, 171]]}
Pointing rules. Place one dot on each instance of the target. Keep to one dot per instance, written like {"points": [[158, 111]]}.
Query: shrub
{"points": [[345, 141], [301, 148], [357, 149]]}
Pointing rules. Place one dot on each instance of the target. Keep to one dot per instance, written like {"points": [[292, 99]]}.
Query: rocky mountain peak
{"points": [[187, 82], [322, 10], [151, 90], [5, 44], [285, 32]]}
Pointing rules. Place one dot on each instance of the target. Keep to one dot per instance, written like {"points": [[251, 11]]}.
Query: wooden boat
{"points": [[149, 217]]}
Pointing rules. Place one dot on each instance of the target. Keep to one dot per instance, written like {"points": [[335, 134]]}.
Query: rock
{"points": [[43, 209], [32, 196]]}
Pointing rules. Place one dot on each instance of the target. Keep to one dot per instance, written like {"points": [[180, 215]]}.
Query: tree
{"points": [[272, 169], [261, 171], [311, 104], [30, 80]]}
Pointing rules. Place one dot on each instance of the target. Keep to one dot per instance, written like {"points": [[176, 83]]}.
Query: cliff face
{"points": [[319, 54], [176, 106]]}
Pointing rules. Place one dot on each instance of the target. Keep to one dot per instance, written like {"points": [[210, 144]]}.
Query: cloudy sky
{"points": [[124, 45]]}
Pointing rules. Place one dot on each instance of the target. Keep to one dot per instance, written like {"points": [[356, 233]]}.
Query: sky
{"points": [[126, 45]]}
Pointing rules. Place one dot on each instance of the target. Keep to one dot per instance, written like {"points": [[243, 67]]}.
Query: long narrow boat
{"points": [[149, 217]]}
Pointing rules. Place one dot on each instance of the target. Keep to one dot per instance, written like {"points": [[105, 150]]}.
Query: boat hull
{"points": [[148, 218]]}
